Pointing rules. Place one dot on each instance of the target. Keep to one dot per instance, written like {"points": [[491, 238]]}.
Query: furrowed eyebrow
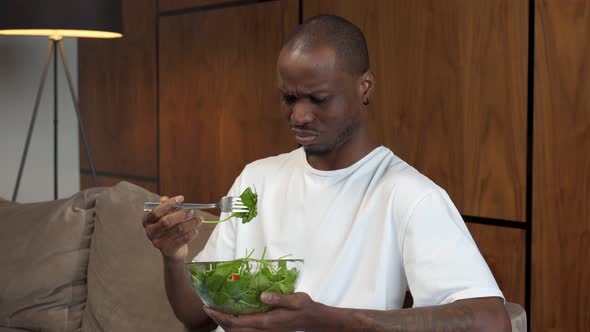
{"points": [[307, 94], [286, 93]]}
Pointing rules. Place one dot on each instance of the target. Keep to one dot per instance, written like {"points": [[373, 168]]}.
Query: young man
{"points": [[367, 224]]}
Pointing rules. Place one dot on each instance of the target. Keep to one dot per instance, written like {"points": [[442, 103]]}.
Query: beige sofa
{"points": [[84, 264]]}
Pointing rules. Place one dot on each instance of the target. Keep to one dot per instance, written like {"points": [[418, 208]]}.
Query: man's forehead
{"points": [[308, 71], [317, 57], [302, 90], [306, 84]]}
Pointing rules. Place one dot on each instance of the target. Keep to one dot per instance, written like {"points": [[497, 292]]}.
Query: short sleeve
{"points": [[221, 244], [441, 260]]}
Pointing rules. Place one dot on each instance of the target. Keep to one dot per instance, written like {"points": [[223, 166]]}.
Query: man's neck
{"points": [[344, 155]]}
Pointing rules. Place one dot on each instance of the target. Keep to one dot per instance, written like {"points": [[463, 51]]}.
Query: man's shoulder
{"points": [[405, 187], [404, 180]]}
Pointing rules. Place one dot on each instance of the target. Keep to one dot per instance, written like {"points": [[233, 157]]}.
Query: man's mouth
{"points": [[304, 137]]}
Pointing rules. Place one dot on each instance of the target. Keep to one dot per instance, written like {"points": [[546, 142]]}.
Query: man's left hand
{"points": [[292, 312]]}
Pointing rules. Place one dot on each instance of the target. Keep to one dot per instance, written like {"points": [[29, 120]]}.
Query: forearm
{"points": [[187, 307], [486, 314]]}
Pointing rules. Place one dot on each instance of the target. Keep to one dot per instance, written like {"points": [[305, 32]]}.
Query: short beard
{"points": [[343, 137]]}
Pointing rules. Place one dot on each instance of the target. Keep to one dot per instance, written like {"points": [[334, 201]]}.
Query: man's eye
{"points": [[317, 100], [289, 99]]}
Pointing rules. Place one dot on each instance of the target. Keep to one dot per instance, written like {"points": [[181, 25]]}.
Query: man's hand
{"points": [[291, 313], [298, 312], [169, 229]]}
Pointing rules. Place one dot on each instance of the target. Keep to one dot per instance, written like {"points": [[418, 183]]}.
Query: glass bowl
{"points": [[234, 287]]}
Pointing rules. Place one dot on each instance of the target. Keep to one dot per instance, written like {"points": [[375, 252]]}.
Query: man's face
{"points": [[321, 101]]}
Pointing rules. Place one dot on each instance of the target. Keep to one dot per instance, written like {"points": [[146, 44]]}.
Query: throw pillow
{"points": [[125, 273], [44, 259]]}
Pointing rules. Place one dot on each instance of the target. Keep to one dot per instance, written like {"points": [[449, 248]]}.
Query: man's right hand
{"points": [[169, 229]]}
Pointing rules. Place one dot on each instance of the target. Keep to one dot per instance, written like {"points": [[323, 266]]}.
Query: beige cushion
{"points": [[44, 259], [125, 273], [4, 202]]}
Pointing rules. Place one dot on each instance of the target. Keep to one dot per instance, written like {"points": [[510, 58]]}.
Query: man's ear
{"points": [[367, 85]]}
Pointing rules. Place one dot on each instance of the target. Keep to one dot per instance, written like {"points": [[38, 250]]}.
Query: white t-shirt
{"points": [[366, 232]]}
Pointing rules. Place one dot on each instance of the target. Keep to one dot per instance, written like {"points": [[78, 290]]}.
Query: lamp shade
{"points": [[61, 18]]}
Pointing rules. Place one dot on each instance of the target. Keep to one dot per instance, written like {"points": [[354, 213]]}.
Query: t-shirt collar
{"points": [[339, 172]]}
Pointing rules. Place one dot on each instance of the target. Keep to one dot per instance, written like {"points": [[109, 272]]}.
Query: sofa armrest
{"points": [[517, 317]]}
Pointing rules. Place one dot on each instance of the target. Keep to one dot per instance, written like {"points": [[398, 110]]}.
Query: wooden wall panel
{"points": [[451, 92], [561, 170], [504, 250], [219, 105], [117, 84], [107, 181], [166, 5]]}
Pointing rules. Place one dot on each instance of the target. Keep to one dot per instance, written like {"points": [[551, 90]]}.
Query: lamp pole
{"points": [[55, 47], [33, 119], [78, 114], [54, 40]]}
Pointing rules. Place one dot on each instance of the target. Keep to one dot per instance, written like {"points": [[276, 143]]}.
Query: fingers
{"points": [[170, 229], [267, 321], [294, 301], [169, 223], [230, 323], [187, 226], [291, 312], [219, 318], [158, 212], [277, 300], [169, 246]]}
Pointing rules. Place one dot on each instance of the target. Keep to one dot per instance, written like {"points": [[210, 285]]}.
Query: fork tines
{"points": [[238, 206]]}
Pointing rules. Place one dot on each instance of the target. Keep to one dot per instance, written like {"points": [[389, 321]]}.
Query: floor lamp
{"points": [[57, 19]]}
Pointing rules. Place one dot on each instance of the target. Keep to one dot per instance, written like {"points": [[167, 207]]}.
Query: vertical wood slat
{"points": [[561, 167], [117, 87], [219, 105], [451, 92]]}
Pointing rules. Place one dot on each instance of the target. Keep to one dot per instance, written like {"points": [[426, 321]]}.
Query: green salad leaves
{"points": [[235, 286], [250, 200]]}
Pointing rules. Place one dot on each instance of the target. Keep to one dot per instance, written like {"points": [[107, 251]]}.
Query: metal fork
{"points": [[226, 204]]}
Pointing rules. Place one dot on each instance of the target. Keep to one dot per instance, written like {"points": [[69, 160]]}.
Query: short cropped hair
{"points": [[345, 38]]}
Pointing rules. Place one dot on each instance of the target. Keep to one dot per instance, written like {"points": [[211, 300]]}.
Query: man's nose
{"points": [[301, 113]]}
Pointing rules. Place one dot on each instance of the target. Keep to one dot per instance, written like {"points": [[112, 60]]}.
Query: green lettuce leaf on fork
{"points": [[250, 200]]}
